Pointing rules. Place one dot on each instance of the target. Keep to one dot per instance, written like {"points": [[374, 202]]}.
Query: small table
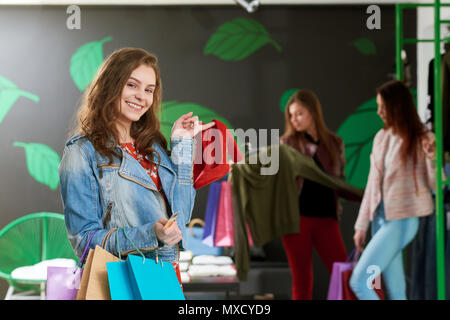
{"points": [[213, 284]]}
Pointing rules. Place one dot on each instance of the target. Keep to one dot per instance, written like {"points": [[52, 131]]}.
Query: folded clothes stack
{"points": [[211, 270], [216, 260], [186, 256], [205, 266]]}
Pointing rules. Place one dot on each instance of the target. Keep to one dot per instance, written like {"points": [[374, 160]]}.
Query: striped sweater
{"points": [[391, 180]]}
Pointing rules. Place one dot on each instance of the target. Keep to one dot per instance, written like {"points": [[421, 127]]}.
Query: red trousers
{"points": [[325, 236]]}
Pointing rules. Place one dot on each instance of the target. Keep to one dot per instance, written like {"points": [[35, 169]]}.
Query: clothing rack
{"points": [[440, 183]]}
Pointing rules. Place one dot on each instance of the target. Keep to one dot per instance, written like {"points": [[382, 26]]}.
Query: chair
{"points": [[30, 240]]}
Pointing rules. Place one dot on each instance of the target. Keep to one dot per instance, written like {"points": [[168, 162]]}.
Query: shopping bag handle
{"points": [[193, 222], [86, 249], [132, 243], [354, 255], [106, 238]]}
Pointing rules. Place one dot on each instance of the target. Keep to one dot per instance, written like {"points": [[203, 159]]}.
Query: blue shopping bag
{"points": [[140, 278], [120, 283], [155, 281]]}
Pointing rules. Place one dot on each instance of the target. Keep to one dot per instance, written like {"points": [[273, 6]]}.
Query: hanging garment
{"points": [[336, 168], [269, 203], [445, 75], [423, 260]]}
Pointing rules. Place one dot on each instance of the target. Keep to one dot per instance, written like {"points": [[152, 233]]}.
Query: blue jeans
{"points": [[383, 254]]}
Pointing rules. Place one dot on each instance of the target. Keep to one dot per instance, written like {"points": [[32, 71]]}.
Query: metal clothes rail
{"points": [[400, 41]]}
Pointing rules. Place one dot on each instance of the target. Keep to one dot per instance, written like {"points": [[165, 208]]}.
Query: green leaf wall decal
{"points": [[365, 46], [42, 163], [358, 131], [9, 93], [237, 39], [172, 110], [85, 62], [285, 97]]}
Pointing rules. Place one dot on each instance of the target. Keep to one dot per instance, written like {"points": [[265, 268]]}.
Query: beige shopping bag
{"points": [[81, 294], [94, 282]]}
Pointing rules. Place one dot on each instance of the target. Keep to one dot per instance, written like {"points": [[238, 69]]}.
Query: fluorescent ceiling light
{"points": [[204, 2]]}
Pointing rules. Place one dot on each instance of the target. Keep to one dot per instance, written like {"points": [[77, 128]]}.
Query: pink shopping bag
{"points": [[224, 236], [335, 290]]}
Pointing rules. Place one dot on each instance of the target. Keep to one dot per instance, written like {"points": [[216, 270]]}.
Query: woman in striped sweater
{"points": [[398, 191]]}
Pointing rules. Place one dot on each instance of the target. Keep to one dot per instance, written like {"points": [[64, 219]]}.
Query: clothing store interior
{"points": [[314, 92]]}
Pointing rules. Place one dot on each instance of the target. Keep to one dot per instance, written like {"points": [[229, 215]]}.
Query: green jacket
{"points": [[269, 203]]}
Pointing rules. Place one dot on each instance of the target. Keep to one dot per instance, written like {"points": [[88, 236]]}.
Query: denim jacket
{"points": [[100, 196]]}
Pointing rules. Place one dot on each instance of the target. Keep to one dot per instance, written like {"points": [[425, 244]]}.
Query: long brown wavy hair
{"points": [[309, 100], [402, 117], [99, 108]]}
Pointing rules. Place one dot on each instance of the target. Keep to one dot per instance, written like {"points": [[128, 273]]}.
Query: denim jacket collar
{"points": [[130, 167]]}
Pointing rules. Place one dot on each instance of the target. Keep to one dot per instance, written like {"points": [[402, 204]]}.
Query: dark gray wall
{"points": [[36, 48]]}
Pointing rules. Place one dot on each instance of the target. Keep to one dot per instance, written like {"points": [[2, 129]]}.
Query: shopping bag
{"points": [[335, 289], [141, 278], [81, 295], [224, 236], [121, 286], [195, 244], [212, 205], [214, 165], [154, 280], [339, 288], [63, 283], [347, 292], [97, 283], [94, 282]]}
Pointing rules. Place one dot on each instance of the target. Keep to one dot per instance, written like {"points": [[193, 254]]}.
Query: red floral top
{"points": [[130, 148]]}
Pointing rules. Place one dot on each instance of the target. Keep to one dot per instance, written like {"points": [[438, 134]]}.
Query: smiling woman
{"points": [[116, 172], [105, 113]]}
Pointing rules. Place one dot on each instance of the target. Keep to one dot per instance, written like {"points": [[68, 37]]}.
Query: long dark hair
{"points": [[402, 118], [99, 109], [309, 100]]}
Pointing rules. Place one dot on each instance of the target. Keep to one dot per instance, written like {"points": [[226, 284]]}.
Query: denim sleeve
{"points": [[83, 210], [182, 157]]}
